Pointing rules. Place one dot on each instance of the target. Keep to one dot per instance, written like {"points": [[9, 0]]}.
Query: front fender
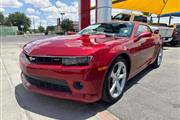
{"points": [[115, 52]]}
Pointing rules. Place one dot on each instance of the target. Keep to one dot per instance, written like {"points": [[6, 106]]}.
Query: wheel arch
{"points": [[128, 59]]}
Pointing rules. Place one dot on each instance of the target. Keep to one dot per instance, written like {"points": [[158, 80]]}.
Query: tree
{"points": [[20, 20], [2, 19], [67, 25], [147, 14], [50, 28], [41, 29]]}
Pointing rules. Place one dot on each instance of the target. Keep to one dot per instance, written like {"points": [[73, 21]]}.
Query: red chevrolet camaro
{"points": [[91, 65]]}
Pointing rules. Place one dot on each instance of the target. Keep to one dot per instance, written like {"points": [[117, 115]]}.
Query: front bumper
{"points": [[90, 78], [167, 39]]}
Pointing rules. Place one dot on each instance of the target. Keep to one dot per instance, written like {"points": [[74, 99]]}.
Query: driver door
{"points": [[145, 47]]}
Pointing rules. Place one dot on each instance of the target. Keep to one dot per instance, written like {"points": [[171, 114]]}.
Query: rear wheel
{"points": [[158, 60], [115, 81]]}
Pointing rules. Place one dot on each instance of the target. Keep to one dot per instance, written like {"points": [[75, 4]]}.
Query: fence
{"points": [[8, 30]]}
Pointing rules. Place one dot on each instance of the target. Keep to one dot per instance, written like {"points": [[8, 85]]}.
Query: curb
{"points": [[106, 115]]}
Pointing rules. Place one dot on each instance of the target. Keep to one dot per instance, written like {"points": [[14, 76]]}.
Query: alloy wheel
{"points": [[117, 79], [160, 55]]}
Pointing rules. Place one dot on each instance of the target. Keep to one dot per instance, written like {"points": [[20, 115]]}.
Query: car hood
{"points": [[68, 45]]}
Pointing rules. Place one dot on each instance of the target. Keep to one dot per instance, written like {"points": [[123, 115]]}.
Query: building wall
{"points": [[8, 30]]}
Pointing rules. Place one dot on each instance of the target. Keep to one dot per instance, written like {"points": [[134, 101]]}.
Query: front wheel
{"points": [[115, 81], [158, 60]]}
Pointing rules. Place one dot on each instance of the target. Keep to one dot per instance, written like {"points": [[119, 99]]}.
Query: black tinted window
{"points": [[140, 19], [123, 17], [143, 28]]}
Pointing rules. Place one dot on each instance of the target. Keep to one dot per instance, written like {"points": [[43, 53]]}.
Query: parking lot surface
{"points": [[154, 94]]}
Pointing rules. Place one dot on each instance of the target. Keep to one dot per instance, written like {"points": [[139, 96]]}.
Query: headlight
{"points": [[76, 61], [24, 57]]}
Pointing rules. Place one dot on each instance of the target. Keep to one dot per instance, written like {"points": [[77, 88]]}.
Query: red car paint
{"points": [[104, 50]]}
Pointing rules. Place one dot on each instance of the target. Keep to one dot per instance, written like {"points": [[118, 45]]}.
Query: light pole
{"points": [[62, 14], [34, 23]]}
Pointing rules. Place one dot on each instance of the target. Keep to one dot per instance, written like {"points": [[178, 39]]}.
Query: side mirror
{"points": [[156, 32], [143, 35], [71, 33]]}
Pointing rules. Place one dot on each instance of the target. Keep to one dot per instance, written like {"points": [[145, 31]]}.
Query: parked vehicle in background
{"points": [[46, 32], [20, 33], [94, 64], [176, 35], [165, 31], [130, 17]]}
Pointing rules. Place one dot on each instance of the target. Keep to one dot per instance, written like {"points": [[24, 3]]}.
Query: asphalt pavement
{"points": [[154, 94]]}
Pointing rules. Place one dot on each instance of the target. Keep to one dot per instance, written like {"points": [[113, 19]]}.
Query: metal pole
{"points": [[159, 18], [84, 13], [34, 23], [104, 10], [62, 14], [96, 8], [151, 19], [170, 18]]}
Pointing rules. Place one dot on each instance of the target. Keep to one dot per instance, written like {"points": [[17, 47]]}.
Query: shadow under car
{"points": [[65, 109]]}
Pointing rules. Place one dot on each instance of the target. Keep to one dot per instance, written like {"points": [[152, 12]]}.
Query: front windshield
{"points": [[111, 29]]}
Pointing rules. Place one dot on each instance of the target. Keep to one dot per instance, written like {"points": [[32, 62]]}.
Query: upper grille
{"points": [[45, 60]]}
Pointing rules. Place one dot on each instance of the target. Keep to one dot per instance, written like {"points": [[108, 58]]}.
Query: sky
{"points": [[45, 12]]}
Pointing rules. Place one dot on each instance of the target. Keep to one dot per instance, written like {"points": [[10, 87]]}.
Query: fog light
{"points": [[78, 85]]}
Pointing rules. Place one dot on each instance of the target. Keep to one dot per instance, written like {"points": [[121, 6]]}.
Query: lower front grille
{"points": [[58, 85]]}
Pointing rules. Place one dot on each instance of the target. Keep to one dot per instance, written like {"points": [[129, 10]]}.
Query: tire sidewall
{"points": [[160, 50], [155, 64], [106, 96]]}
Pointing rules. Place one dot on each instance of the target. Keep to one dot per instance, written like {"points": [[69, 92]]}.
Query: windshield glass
{"points": [[123, 17], [111, 29], [140, 19]]}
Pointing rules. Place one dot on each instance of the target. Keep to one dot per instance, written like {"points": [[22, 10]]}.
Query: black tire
{"points": [[156, 64], [173, 43], [106, 96]]}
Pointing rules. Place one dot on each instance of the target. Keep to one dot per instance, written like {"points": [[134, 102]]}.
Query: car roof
{"points": [[133, 22], [132, 14]]}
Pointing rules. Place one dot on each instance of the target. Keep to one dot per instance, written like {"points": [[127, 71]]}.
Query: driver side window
{"points": [[142, 28]]}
